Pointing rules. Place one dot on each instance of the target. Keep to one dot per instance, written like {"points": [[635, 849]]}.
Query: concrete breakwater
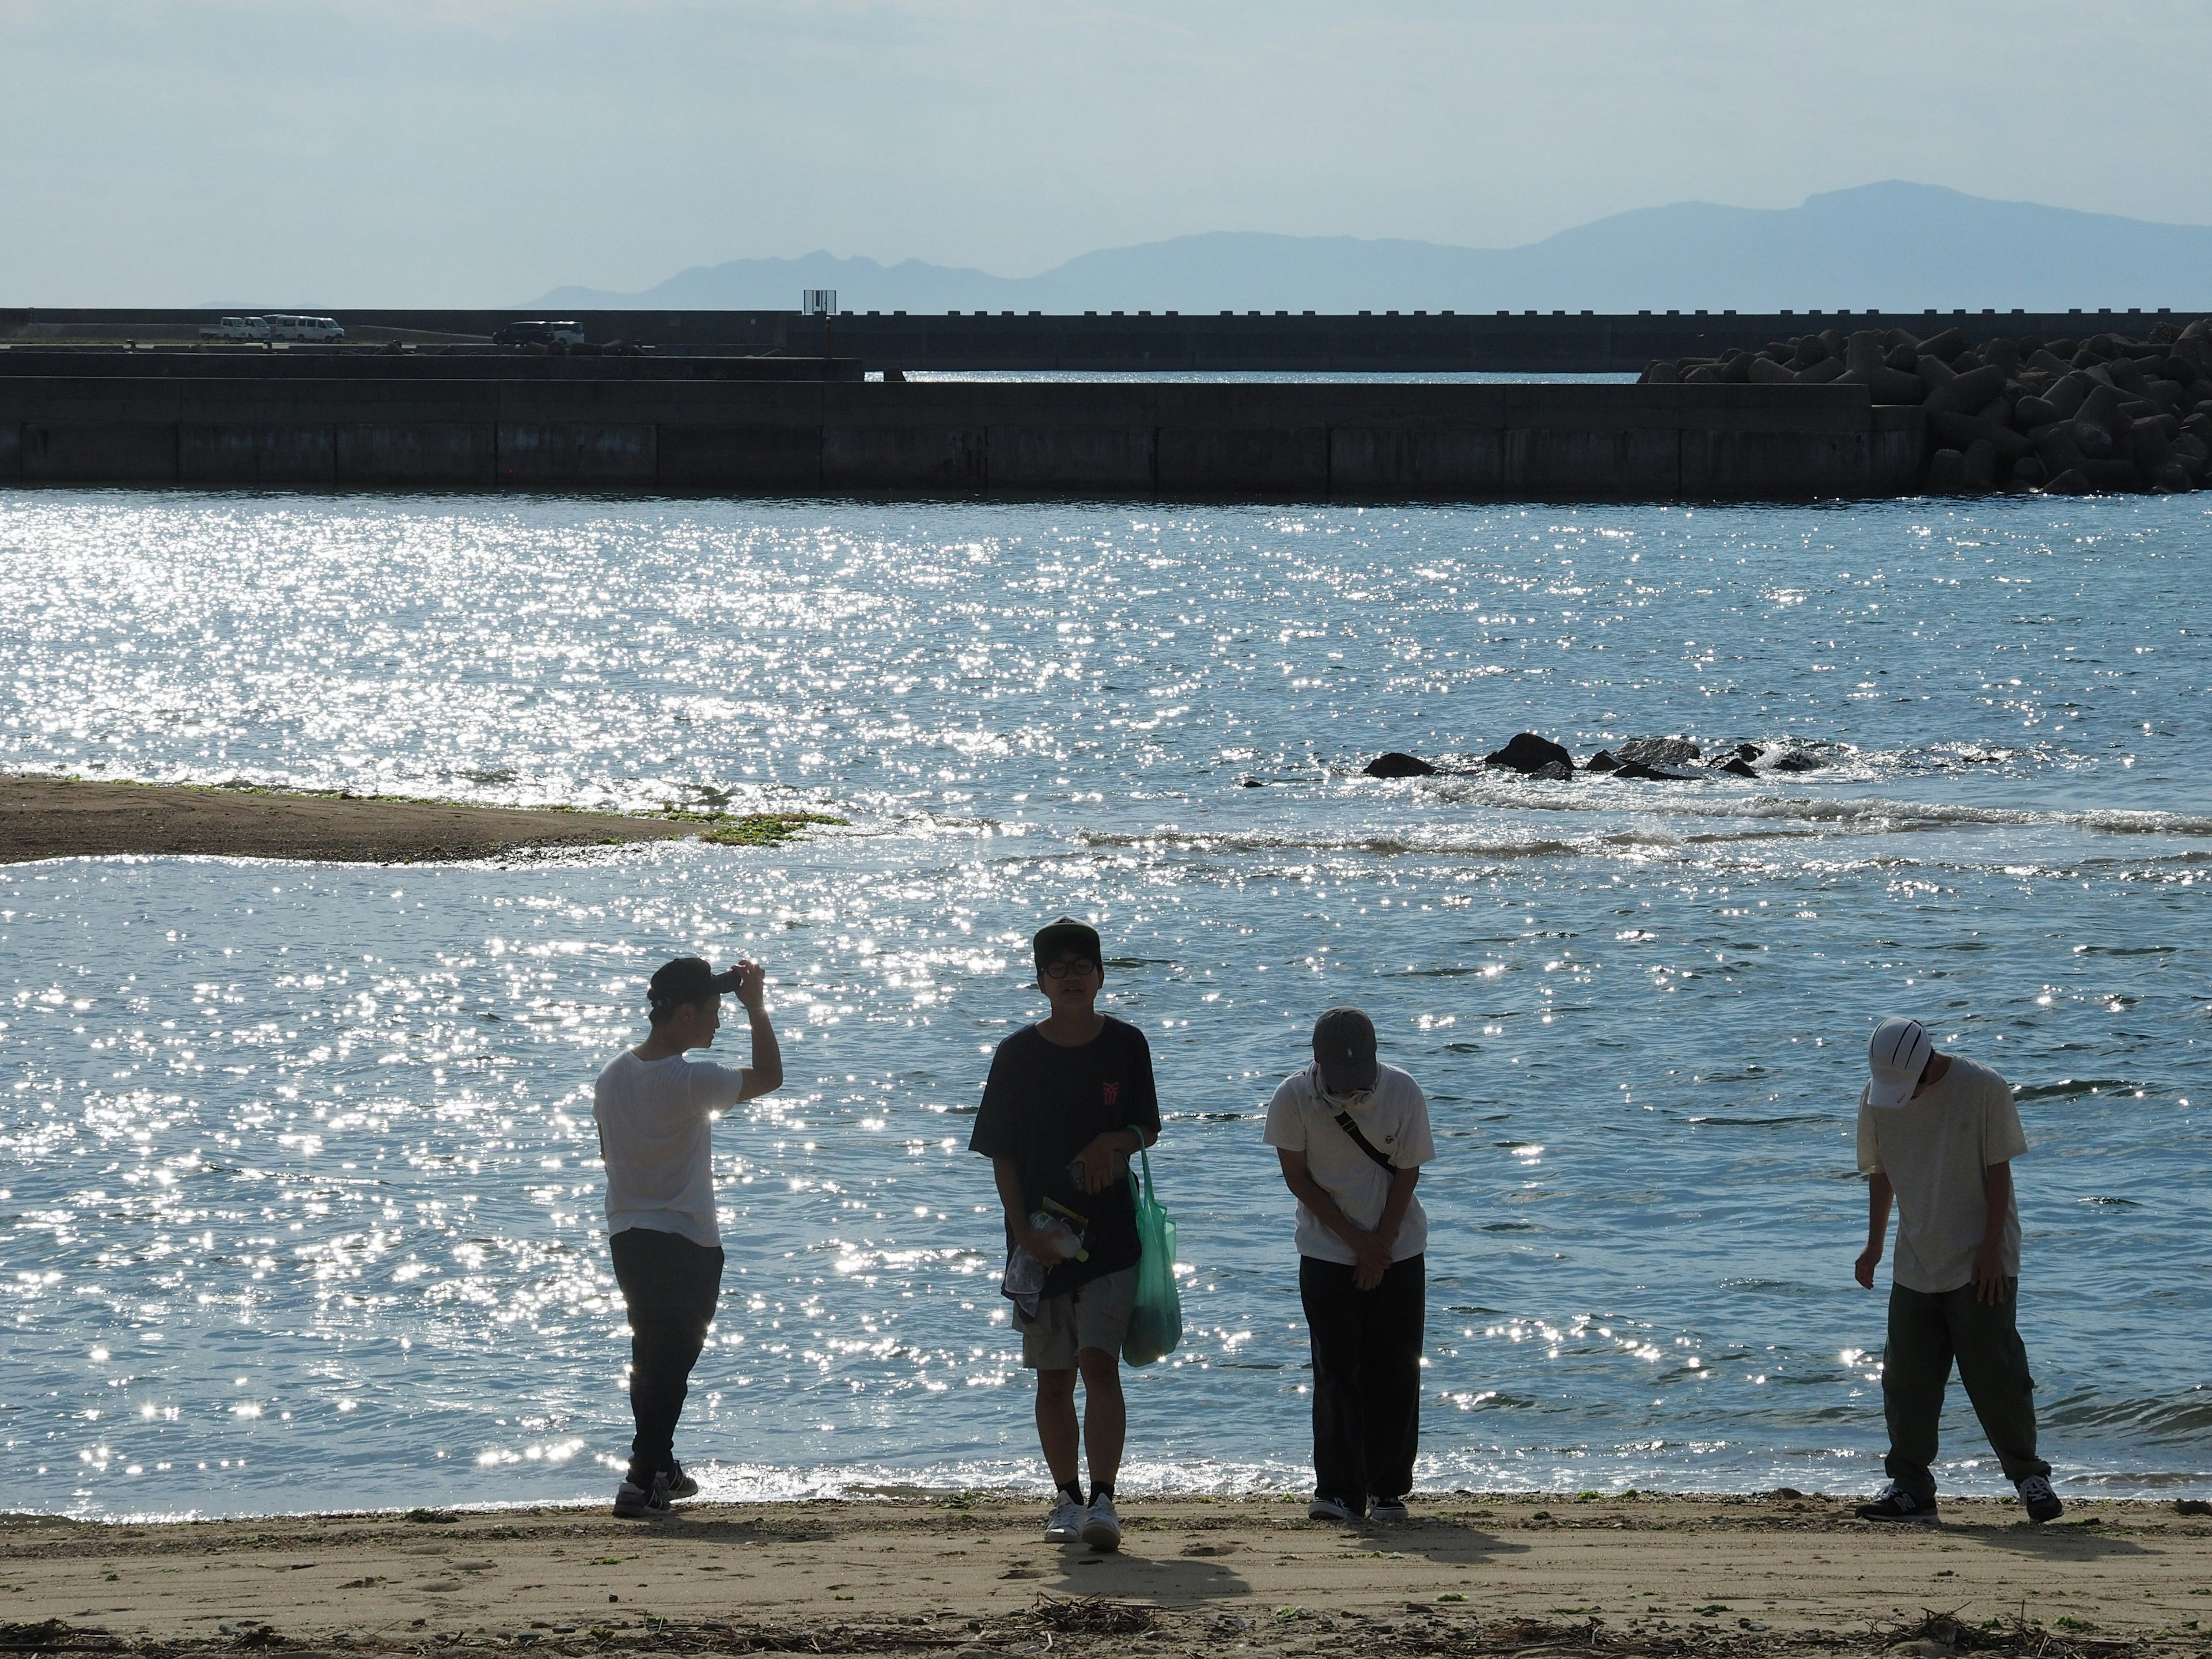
{"points": [[2068, 415], [1131, 438], [1153, 342]]}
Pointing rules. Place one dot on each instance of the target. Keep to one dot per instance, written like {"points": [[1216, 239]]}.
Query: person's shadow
{"points": [[1193, 1574], [1169, 1579], [2061, 1543], [1450, 1543]]}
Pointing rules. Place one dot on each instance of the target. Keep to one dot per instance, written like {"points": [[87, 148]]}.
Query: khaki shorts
{"points": [[1093, 1316]]}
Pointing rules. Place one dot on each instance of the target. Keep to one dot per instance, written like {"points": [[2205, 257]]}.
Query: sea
{"points": [[300, 1198]]}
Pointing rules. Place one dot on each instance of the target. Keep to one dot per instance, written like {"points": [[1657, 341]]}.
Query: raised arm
{"points": [[765, 1074]]}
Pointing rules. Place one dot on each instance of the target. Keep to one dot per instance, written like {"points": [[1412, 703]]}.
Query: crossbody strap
{"points": [[1344, 1122]]}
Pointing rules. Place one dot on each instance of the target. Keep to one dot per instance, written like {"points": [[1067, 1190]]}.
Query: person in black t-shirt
{"points": [[1069, 1100]]}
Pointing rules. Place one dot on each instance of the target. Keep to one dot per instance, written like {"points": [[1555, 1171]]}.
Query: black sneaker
{"points": [[680, 1484], [1896, 1504], [636, 1502], [2038, 1500]]}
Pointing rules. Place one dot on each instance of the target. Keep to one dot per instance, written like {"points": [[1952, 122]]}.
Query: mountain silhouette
{"points": [[1892, 246]]}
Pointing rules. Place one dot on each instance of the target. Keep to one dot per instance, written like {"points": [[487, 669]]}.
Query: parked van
{"points": [[291, 325], [236, 328]]}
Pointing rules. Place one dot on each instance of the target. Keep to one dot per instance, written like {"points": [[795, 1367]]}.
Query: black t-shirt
{"points": [[1044, 1104]]}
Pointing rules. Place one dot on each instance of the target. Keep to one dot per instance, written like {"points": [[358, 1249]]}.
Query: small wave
{"points": [[1257, 842], [2067, 1088], [1759, 1122], [2176, 1416]]}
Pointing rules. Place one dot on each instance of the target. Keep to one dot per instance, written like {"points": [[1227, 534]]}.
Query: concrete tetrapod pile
{"points": [[2069, 416]]}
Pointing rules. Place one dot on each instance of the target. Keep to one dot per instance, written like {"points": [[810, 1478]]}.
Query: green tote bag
{"points": [[1155, 1321]]}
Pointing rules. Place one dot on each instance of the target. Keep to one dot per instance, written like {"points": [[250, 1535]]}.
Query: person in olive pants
{"points": [[1937, 1135], [1927, 1333]]}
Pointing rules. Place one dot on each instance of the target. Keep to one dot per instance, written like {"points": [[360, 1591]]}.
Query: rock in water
{"points": [[1736, 766], [1528, 753], [1396, 765], [1657, 752], [1603, 761], [1790, 760], [1657, 774], [1554, 771]]}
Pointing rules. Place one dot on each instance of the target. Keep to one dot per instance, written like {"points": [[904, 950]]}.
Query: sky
{"points": [[333, 152]]}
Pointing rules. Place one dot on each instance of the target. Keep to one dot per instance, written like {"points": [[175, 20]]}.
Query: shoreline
{"points": [[1654, 1575], [46, 816]]}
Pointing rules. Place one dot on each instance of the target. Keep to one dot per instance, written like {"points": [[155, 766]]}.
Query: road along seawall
{"points": [[1134, 439], [1516, 343]]}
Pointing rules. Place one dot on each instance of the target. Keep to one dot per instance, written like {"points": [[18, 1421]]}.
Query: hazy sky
{"points": [[337, 152]]}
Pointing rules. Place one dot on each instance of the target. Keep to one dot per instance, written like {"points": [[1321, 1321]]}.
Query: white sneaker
{"points": [[1102, 1527], [1066, 1524], [1390, 1511]]}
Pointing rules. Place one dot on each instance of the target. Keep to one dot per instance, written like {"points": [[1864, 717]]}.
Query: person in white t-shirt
{"points": [[656, 1111], [1352, 1135], [1938, 1134]]}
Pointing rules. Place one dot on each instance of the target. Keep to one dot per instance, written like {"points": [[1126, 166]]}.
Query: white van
{"points": [[291, 325], [236, 328]]}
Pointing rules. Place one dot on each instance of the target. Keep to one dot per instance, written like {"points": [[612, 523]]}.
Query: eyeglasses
{"points": [[1067, 967]]}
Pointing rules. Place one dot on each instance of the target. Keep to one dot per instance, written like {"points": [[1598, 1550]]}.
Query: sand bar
{"points": [[50, 817], [1637, 1575]]}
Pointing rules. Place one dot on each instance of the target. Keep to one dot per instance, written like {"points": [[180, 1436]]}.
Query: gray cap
{"points": [[1344, 1048], [688, 980]]}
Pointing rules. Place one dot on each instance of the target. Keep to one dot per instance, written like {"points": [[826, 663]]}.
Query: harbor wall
{"points": [[1127, 438], [1519, 342]]}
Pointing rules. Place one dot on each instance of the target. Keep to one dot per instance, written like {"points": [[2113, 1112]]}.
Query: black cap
{"points": [[1065, 937], [1344, 1048], [688, 979]]}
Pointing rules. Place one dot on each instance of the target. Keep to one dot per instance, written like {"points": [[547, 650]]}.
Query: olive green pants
{"points": [[1927, 1332]]}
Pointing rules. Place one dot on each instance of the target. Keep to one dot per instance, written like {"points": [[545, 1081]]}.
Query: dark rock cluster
{"points": [[1658, 759], [2069, 416]]}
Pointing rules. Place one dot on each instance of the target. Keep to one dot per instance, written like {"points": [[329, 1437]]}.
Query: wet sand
{"points": [[1647, 1576], [49, 818]]}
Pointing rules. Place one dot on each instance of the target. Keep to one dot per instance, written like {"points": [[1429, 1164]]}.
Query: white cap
{"points": [[1897, 1055]]}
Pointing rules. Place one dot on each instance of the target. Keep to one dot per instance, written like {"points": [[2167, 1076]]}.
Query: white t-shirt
{"points": [[1935, 1149], [656, 1134], [1393, 1116]]}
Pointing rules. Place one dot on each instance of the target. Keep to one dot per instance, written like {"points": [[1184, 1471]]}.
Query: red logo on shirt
{"points": [[1111, 1092]]}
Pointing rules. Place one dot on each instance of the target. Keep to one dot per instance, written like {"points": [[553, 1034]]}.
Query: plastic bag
{"points": [[1156, 1321]]}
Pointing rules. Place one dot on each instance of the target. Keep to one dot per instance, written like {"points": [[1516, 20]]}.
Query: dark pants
{"points": [[1927, 1331], [1366, 1378], [669, 1286]]}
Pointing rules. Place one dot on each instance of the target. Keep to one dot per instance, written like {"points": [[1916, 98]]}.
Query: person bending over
{"points": [[1068, 1101], [1352, 1135], [656, 1112], [1938, 1134]]}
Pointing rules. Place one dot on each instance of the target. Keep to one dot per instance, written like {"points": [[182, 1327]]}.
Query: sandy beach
{"points": [[1774, 1574], [48, 817]]}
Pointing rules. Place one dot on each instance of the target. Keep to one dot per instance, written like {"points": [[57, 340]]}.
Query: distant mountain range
{"points": [[1892, 246]]}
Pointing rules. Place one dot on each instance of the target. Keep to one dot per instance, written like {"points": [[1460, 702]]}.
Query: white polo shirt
{"points": [[1393, 1115], [656, 1132]]}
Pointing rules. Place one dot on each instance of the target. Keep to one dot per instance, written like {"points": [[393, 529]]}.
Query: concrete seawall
{"points": [[1519, 342], [1129, 438]]}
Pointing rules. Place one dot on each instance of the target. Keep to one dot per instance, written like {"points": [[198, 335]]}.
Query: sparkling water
{"points": [[298, 1199]]}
